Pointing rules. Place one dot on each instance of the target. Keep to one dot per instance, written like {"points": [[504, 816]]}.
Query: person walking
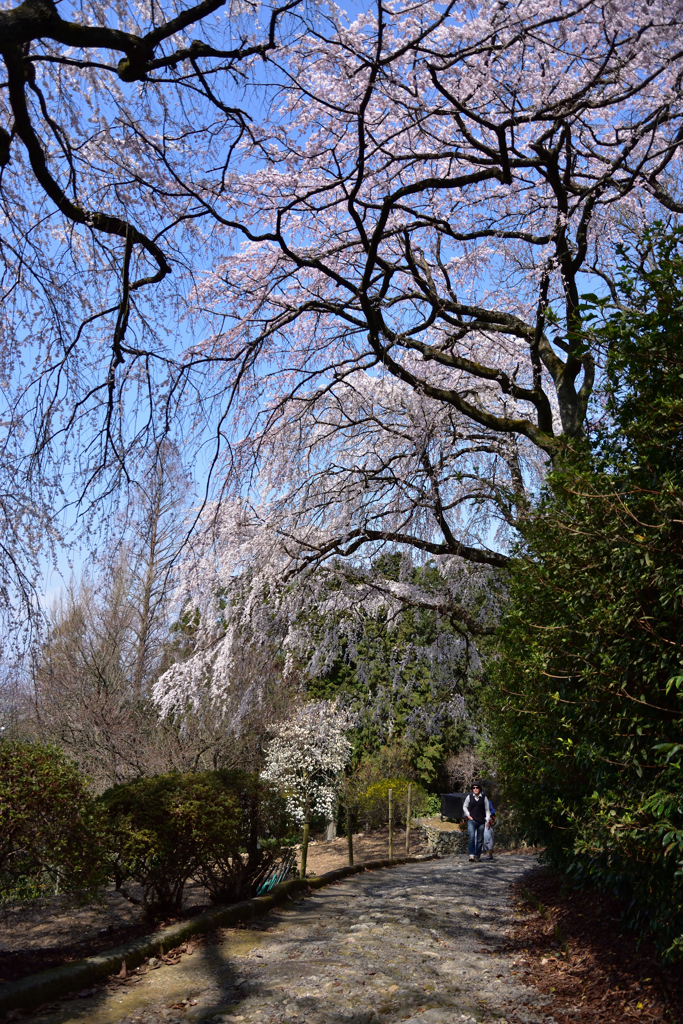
{"points": [[488, 832], [477, 811]]}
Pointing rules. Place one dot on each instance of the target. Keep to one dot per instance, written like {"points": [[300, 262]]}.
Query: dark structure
{"points": [[451, 805]]}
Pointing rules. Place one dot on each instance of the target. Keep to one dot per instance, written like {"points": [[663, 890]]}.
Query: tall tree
{"points": [[405, 675], [403, 318], [101, 110], [109, 636], [83, 696], [399, 333], [587, 697], [377, 247], [154, 529]]}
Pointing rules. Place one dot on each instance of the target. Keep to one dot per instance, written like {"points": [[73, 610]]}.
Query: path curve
{"points": [[420, 943]]}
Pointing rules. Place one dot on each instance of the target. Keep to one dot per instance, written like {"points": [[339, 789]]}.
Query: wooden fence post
{"points": [[391, 824], [304, 844], [349, 833], [408, 821]]}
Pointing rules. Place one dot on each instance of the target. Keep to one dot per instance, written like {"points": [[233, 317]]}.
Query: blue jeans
{"points": [[475, 838]]}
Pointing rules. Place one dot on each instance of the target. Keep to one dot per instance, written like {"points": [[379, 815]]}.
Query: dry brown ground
{"points": [[572, 944], [326, 856]]}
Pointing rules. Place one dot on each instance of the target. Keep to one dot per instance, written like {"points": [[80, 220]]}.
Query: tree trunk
{"points": [[408, 821], [304, 844], [391, 824]]}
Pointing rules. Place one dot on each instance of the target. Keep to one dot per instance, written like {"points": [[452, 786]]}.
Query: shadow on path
{"points": [[420, 942]]}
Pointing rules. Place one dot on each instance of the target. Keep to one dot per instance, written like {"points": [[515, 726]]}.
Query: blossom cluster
{"points": [[307, 756], [357, 264]]}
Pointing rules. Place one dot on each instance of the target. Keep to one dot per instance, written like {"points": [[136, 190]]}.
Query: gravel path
{"points": [[418, 943], [56, 924]]}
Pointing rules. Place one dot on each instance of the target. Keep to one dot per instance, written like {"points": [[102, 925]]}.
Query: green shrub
{"points": [[233, 863], [223, 828], [432, 805], [49, 827], [374, 801]]}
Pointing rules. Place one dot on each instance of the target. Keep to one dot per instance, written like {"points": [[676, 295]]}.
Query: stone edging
{"points": [[48, 985], [448, 841]]}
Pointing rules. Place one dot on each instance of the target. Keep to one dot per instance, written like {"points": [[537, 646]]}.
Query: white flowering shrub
{"points": [[307, 756]]}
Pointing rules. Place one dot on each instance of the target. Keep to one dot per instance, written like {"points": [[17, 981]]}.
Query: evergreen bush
{"points": [[223, 828], [50, 837], [586, 701], [233, 862]]}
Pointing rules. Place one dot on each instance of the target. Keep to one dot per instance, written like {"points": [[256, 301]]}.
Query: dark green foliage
{"points": [[587, 687], [223, 828], [49, 827], [232, 864], [402, 677]]}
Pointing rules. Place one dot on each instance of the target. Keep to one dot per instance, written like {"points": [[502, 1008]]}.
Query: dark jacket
{"points": [[479, 809]]}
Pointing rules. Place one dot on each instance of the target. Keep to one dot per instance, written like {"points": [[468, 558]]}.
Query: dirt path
{"points": [[418, 943]]}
